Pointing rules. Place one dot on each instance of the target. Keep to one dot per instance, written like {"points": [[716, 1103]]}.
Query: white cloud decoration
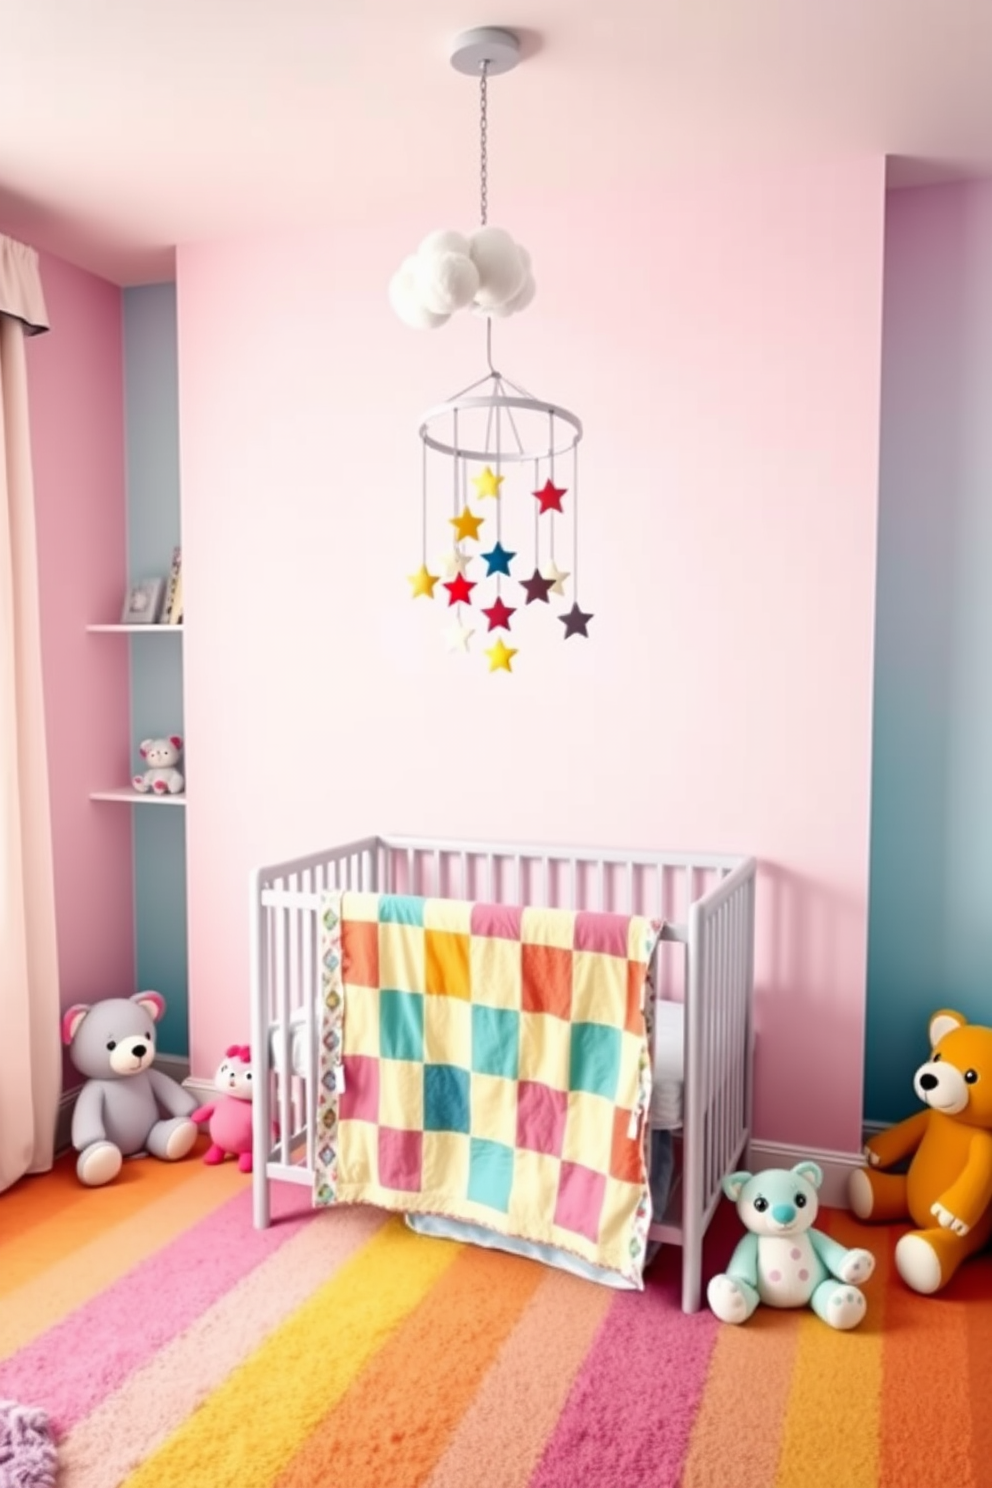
{"points": [[485, 271]]}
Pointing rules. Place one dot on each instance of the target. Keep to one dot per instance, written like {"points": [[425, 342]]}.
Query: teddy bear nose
{"points": [[139, 1051], [928, 1082], [783, 1213]]}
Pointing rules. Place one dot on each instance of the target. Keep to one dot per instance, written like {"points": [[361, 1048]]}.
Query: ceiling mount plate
{"points": [[491, 44]]}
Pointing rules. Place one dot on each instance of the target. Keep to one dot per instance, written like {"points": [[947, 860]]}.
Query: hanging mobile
{"points": [[494, 422]]}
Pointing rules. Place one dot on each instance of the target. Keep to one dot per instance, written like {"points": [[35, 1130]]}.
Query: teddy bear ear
{"points": [[733, 1185], [175, 741], [943, 1023], [811, 1171], [71, 1020], [152, 1002]]}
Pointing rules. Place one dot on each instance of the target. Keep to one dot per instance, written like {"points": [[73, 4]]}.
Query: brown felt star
{"points": [[537, 587], [575, 622]]}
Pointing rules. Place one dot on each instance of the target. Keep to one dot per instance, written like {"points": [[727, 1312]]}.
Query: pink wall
{"points": [[721, 339], [76, 398]]}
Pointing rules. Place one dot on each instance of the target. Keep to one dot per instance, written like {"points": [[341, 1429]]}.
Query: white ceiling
{"points": [[127, 126]]}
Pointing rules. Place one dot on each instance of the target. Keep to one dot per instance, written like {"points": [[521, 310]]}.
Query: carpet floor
{"points": [[173, 1346]]}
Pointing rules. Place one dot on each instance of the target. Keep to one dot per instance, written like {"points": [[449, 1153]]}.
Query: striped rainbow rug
{"points": [[175, 1347]]}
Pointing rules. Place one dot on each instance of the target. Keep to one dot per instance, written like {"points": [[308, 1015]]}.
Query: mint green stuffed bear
{"points": [[782, 1261]]}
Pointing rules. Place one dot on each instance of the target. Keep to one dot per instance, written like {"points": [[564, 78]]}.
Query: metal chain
{"points": [[483, 153]]}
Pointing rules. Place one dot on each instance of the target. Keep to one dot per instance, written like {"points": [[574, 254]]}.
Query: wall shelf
{"points": [[136, 798], [135, 629]]}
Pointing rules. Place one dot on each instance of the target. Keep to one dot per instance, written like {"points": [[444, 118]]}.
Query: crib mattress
{"points": [[669, 1066]]}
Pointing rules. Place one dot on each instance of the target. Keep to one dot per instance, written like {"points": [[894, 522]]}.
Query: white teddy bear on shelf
{"points": [[162, 777]]}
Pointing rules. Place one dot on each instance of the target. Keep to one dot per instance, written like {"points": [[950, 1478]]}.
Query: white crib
{"points": [[704, 962]]}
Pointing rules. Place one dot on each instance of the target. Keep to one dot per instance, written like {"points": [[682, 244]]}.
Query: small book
{"points": [[170, 592]]}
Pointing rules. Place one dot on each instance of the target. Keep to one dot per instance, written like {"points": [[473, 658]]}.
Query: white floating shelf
{"points": [[135, 629], [136, 798]]}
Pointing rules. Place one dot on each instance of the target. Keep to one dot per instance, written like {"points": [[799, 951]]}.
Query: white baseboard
{"points": [[837, 1167], [204, 1090], [170, 1064]]}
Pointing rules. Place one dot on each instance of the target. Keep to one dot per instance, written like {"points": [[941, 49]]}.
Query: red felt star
{"points": [[459, 589], [549, 496], [498, 615]]}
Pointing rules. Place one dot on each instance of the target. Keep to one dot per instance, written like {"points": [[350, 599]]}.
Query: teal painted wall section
{"points": [[151, 405], [930, 926]]}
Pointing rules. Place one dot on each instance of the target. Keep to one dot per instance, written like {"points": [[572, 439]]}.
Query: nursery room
{"points": [[500, 992]]}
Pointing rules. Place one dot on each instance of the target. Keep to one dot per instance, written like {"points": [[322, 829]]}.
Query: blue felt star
{"points": [[498, 560]]}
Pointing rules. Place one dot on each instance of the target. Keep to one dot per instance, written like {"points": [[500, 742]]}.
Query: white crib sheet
{"points": [[669, 1065], [297, 1042]]}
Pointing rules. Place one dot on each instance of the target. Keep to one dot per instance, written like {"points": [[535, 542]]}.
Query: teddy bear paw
{"points": [[99, 1163], [727, 1301], [845, 1309], [856, 1266], [180, 1140], [949, 1221]]}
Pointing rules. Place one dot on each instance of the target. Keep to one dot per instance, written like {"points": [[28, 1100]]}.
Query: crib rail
{"points": [[705, 900]]}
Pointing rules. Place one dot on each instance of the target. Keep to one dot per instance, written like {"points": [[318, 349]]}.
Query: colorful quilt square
{"points": [[401, 957], [490, 1174], [401, 1094], [445, 1163], [356, 905], [599, 988], [541, 1114], [619, 1199], [595, 1059], [497, 921], [359, 1100], [401, 909], [547, 927], [494, 1109], [495, 1041], [401, 1025], [588, 1131], [448, 914], [629, 1082], [446, 1098], [495, 970], [535, 1180], [580, 1200], [604, 934], [634, 1017], [358, 1151], [360, 1030], [545, 1049], [360, 953], [547, 980], [447, 968], [642, 938], [447, 1031], [400, 1159], [627, 1152]]}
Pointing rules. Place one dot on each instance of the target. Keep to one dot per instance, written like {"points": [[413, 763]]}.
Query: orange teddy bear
{"points": [[947, 1191]]}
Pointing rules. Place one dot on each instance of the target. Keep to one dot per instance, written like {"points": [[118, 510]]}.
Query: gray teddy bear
{"points": [[125, 1108]]}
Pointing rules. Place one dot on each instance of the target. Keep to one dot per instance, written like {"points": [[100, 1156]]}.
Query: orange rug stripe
{"points": [[178, 1199], [457, 1331], [830, 1431], [925, 1396], [527, 1386], [54, 1218], [974, 1278]]}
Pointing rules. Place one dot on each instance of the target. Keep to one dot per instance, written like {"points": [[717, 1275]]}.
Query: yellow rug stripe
{"points": [[59, 1216], [247, 1431], [830, 1432], [76, 1278]]}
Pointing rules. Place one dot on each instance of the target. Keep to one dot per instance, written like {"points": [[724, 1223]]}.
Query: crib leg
{"points": [[260, 1196]]}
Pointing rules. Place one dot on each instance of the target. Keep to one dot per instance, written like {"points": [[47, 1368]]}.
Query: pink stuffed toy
{"points": [[230, 1115]]}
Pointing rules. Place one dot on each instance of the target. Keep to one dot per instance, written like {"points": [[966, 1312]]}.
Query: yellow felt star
{"points": [[556, 575], [423, 582], [467, 525], [488, 483], [500, 657]]}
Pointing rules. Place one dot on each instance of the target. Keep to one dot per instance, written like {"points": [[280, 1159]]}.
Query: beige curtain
{"points": [[30, 1052]]}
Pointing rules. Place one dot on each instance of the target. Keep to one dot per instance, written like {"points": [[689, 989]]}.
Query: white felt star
{"points": [[457, 636], [454, 561], [556, 575]]}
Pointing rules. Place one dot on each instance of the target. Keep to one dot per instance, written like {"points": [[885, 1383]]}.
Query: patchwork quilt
{"points": [[489, 1064]]}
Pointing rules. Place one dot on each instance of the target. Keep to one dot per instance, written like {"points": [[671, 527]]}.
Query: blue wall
{"points": [[151, 400], [930, 922]]}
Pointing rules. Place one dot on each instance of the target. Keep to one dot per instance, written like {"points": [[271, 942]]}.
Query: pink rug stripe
{"points": [[527, 1385], [92, 1351], [639, 1389], [165, 1392]]}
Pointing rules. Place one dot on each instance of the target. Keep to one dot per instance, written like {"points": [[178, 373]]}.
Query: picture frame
{"points": [[143, 603]]}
